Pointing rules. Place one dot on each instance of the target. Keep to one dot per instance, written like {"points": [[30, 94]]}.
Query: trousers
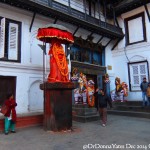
{"points": [[9, 124], [103, 115]]}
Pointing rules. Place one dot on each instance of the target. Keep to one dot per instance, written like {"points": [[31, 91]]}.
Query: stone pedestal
{"points": [[57, 105], [84, 113]]}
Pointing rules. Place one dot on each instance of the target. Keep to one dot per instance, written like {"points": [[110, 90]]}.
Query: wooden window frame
{"points": [[90, 4], [129, 73], [6, 47], [127, 28], [83, 50]]}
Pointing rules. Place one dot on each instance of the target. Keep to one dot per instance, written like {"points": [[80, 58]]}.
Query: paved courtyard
{"points": [[120, 133]]}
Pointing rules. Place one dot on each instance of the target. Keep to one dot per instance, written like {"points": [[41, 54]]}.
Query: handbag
{"points": [[4, 109]]}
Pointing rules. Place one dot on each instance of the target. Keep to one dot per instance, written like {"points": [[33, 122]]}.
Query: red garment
{"points": [[11, 104], [58, 68]]}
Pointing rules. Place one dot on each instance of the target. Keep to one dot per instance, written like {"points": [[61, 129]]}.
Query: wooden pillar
{"points": [[69, 5], [84, 1], [57, 105], [99, 11], [104, 2], [114, 14], [50, 3]]}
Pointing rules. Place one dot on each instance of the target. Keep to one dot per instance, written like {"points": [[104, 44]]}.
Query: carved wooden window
{"points": [[97, 58], [85, 55], [135, 29], [75, 53], [91, 8], [10, 40], [137, 71]]}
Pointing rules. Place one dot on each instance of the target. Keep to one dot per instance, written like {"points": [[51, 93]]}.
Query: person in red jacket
{"points": [[10, 116]]}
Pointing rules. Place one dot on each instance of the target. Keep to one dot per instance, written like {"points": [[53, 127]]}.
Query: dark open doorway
{"points": [[7, 85]]}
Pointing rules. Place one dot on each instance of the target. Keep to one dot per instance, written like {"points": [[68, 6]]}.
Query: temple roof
{"points": [[122, 6]]}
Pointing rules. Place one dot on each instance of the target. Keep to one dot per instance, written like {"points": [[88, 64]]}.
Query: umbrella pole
{"points": [[44, 63], [44, 83]]}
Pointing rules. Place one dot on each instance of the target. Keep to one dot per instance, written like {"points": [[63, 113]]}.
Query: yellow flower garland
{"points": [[91, 102]]}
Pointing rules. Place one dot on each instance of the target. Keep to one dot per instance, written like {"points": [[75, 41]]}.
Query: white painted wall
{"points": [[119, 57], [29, 73]]}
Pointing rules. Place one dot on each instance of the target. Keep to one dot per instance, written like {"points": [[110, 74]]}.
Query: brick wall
{"points": [[25, 120]]}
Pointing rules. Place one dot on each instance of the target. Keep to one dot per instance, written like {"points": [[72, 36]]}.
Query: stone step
{"points": [[134, 103], [130, 113], [84, 111], [80, 106], [118, 103], [86, 118], [129, 103], [132, 108]]}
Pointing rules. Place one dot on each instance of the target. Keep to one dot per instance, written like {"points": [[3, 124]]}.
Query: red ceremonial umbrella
{"points": [[56, 35], [55, 31]]}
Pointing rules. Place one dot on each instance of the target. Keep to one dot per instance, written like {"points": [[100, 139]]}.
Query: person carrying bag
{"points": [[3, 109], [9, 111]]}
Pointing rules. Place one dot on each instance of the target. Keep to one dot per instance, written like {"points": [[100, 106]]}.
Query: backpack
{"points": [[4, 109]]}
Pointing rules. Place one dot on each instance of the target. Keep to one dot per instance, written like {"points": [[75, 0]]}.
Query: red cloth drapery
{"points": [[58, 63]]}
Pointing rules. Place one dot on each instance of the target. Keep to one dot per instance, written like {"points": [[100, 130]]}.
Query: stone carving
{"points": [[84, 93]]}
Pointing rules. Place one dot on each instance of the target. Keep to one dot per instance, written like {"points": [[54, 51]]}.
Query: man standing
{"points": [[103, 99], [144, 86]]}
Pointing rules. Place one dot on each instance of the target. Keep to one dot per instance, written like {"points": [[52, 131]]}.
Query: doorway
{"points": [[7, 85]]}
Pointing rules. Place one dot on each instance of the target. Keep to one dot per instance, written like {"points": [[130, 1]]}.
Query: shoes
{"points": [[103, 125], [6, 133]]}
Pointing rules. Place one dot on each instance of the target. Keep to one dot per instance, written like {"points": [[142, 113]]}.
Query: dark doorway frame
{"points": [[7, 85]]}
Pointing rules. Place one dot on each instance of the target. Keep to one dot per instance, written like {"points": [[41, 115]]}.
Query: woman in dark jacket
{"points": [[103, 100], [10, 116]]}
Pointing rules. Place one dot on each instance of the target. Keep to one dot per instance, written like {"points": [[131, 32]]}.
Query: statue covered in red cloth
{"points": [[58, 63], [56, 35]]}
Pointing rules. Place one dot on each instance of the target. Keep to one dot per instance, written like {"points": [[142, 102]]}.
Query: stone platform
{"points": [[130, 108], [84, 113]]}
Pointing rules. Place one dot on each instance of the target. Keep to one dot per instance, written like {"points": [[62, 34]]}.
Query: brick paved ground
{"points": [[121, 132]]}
